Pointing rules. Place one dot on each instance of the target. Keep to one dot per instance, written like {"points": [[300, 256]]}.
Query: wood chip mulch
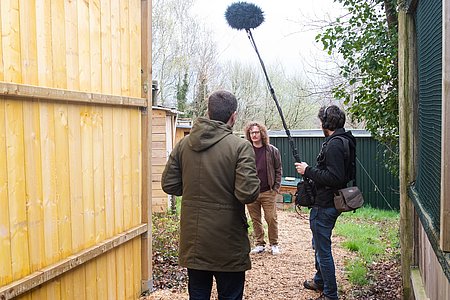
{"points": [[281, 277]]}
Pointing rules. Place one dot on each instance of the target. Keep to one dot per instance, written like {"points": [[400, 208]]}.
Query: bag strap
{"points": [[346, 155]]}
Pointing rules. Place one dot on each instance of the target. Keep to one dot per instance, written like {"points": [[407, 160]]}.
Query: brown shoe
{"points": [[311, 285]]}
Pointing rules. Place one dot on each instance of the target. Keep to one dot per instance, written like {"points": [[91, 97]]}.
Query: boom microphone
{"points": [[242, 15]]}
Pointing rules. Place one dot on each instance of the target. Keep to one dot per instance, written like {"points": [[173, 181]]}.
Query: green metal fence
{"points": [[429, 41], [379, 187]]}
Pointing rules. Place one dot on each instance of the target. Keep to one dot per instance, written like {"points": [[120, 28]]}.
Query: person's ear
{"points": [[232, 119]]}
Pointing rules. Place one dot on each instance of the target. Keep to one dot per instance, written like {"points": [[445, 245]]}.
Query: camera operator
{"points": [[329, 174]]}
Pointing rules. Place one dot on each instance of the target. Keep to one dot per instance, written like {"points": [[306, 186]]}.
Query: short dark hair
{"points": [[332, 117], [221, 105]]}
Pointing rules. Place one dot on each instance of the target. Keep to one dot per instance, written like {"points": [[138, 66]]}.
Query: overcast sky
{"points": [[284, 37]]}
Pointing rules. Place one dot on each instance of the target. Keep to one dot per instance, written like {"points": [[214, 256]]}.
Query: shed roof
{"points": [[169, 110], [314, 133]]}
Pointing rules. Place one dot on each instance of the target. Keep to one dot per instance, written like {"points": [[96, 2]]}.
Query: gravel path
{"points": [[281, 277]]}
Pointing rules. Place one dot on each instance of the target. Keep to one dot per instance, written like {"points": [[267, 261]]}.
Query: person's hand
{"points": [[301, 167]]}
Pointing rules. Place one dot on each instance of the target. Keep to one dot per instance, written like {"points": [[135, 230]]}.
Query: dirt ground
{"points": [[282, 276]]}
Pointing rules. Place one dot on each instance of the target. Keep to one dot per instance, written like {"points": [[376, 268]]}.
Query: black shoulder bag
{"points": [[306, 193]]}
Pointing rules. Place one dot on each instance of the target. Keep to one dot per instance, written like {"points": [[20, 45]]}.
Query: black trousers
{"points": [[230, 285]]}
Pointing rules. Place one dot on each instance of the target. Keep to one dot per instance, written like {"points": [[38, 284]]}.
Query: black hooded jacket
{"points": [[332, 171]]}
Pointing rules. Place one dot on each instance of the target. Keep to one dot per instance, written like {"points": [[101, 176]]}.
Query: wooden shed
{"points": [[163, 139], [184, 126], [424, 106], [75, 172]]}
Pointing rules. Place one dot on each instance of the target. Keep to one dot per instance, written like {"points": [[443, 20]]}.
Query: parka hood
{"points": [[206, 132]]}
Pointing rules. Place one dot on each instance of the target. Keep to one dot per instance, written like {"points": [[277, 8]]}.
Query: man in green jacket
{"points": [[215, 172]]}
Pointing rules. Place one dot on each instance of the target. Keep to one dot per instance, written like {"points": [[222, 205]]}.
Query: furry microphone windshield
{"points": [[242, 15]]}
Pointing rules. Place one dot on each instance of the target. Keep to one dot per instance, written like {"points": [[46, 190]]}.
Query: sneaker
{"points": [[257, 249], [311, 285], [275, 250]]}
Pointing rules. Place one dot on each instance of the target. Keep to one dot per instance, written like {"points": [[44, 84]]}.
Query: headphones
{"points": [[325, 123]]}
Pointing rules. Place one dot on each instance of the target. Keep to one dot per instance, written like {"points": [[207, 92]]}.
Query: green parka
{"points": [[215, 172]]}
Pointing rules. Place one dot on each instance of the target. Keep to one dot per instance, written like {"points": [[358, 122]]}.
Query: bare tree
{"points": [[185, 61]]}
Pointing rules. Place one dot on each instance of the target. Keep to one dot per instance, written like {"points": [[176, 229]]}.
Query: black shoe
{"points": [[311, 285]]}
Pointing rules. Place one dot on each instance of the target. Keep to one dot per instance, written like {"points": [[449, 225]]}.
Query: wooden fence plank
{"points": [[16, 189], [48, 154], [118, 202], [120, 272], [118, 171], [137, 267], [111, 276], [63, 192], [76, 197], [71, 30], [99, 196], [5, 245], [115, 48], [88, 177], [108, 152], [125, 47], [84, 73], [28, 41], [106, 46], [1, 44], [44, 43], [129, 274], [95, 46], [59, 66], [135, 48], [126, 178], [11, 40], [33, 180], [127, 200], [88, 196]]}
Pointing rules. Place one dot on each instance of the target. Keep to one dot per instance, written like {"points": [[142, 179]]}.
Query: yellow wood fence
{"points": [[72, 134]]}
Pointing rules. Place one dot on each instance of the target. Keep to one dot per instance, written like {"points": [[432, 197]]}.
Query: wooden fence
{"points": [[74, 149]]}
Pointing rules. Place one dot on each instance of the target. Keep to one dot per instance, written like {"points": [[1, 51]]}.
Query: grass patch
{"points": [[357, 272], [373, 234]]}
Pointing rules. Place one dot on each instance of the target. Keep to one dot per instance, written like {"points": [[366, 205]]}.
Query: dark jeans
{"points": [[321, 222], [230, 285]]}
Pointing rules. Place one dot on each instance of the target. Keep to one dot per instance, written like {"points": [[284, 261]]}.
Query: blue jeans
{"points": [[321, 222], [230, 285]]}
